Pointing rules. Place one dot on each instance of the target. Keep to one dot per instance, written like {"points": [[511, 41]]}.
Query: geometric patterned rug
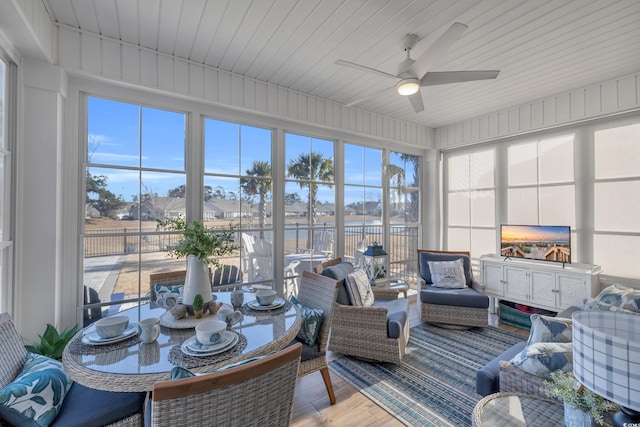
{"points": [[436, 383]]}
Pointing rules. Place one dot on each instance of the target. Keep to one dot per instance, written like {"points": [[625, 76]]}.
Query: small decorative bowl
{"points": [[266, 296], [110, 327]]}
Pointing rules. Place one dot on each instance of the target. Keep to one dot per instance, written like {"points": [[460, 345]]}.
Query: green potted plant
{"points": [[202, 246], [198, 306], [582, 407], [52, 342]]}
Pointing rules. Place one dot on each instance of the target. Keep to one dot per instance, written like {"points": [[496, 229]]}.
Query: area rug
{"points": [[435, 384]]}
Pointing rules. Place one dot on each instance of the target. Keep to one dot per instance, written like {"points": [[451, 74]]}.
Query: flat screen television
{"points": [[536, 242]]}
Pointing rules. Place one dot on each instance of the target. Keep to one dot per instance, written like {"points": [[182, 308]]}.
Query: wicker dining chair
{"points": [[318, 291], [257, 393]]}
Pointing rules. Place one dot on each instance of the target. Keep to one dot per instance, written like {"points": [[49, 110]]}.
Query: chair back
{"points": [[12, 351], [318, 291], [318, 268], [323, 243], [257, 393], [426, 254], [226, 275]]}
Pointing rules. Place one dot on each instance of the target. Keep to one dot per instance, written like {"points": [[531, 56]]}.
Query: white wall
{"points": [[600, 100]]}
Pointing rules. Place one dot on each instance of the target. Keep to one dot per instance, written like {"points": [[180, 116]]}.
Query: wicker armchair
{"points": [[81, 405], [451, 308], [363, 332], [259, 393], [317, 291]]}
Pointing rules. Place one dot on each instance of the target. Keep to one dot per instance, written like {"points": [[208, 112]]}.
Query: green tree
{"points": [[310, 169], [259, 185], [101, 199], [177, 192], [291, 198]]}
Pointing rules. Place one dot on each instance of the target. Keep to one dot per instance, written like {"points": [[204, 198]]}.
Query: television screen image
{"points": [[536, 242]]}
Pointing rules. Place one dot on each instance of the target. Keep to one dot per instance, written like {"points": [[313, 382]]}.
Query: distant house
{"points": [[326, 209]]}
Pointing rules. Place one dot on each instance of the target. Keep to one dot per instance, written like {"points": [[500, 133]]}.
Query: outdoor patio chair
{"points": [[319, 292], [81, 406], [226, 277], [379, 332], [258, 393], [460, 308]]}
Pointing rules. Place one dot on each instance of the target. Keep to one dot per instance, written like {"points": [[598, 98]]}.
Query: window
{"points": [[362, 200], [470, 202], [237, 192], [135, 174], [309, 199], [403, 180], [541, 187], [616, 241]]}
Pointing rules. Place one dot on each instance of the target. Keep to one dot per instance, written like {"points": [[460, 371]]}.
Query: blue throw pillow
{"points": [[35, 396], [311, 321], [178, 372], [549, 329], [542, 358]]}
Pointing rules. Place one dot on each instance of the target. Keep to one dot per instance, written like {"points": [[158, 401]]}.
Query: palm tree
{"points": [[310, 169], [260, 186]]}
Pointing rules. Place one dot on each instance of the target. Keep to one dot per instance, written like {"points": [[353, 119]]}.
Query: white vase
{"points": [[575, 417], [196, 282]]}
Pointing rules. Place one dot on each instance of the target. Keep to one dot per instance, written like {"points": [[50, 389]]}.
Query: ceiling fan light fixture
{"points": [[408, 86]]}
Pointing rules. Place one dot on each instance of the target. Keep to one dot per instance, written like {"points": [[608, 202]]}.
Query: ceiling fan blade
{"points": [[363, 68], [416, 101], [445, 77], [437, 49], [364, 98]]}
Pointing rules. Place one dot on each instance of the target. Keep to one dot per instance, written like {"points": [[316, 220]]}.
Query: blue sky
{"points": [[127, 137]]}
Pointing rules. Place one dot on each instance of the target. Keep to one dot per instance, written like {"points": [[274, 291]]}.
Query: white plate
{"points": [[94, 339], [277, 303], [190, 346]]}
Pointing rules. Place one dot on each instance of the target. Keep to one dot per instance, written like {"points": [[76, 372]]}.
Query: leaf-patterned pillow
{"points": [[549, 329], [311, 320], [542, 358], [35, 396]]}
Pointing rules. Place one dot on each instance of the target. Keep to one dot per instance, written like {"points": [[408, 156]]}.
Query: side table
{"points": [[393, 287], [517, 409]]}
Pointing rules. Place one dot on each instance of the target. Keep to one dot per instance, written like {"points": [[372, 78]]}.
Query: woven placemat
{"points": [[246, 309], [178, 358], [76, 346]]}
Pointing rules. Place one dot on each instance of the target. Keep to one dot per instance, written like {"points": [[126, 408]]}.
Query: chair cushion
{"points": [[87, 407], [488, 377], [311, 321], [36, 395], [397, 313], [359, 289], [339, 273], [447, 274], [467, 297], [308, 351], [425, 257]]}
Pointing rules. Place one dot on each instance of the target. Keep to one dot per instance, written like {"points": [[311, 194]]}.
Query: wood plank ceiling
{"points": [[542, 47]]}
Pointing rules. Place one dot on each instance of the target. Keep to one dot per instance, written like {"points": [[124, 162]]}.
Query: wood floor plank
{"points": [[311, 403]]}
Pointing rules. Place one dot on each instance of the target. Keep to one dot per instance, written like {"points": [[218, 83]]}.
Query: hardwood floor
{"points": [[352, 408]]}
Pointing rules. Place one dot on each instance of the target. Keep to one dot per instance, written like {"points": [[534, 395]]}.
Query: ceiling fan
{"points": [[414, 74]]}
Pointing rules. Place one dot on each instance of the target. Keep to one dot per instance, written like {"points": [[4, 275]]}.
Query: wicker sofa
{"points": [[379, 332], [499, 375]]}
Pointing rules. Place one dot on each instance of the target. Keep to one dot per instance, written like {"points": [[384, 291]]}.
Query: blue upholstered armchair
{"points": [[449, 296]]}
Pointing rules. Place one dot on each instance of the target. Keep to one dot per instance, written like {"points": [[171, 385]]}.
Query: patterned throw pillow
{"points": [[593, 304], [549, 329], [311, 321], [448, 274], [620, 296], [542, 358], [35, 396], [359, 289]]}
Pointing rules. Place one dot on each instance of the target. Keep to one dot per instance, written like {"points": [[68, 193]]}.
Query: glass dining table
{"points": [[128, 365]]}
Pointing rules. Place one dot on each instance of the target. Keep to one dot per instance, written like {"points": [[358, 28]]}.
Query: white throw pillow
{"points": [[359, 289], [447, 274]]}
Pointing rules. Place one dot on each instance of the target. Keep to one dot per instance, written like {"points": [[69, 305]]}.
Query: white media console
{"points": [[548, 285]]}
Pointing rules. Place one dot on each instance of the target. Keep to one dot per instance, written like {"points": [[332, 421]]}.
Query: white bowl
{"points": [[210, 331], [110, 327], [266, 296]]}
